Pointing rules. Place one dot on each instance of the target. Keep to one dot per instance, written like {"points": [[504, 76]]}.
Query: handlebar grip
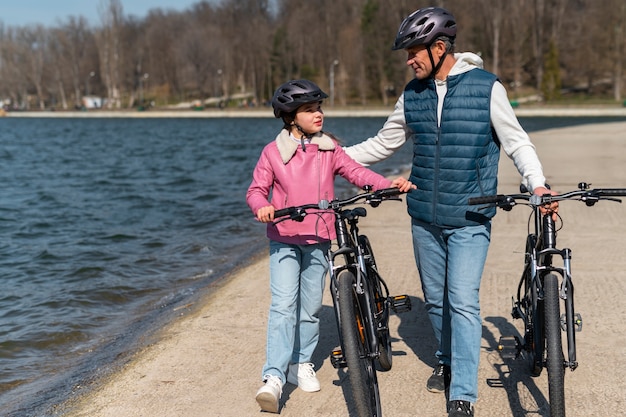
{"points": [[487, 199], [282, 212], [388, 192], [615, 192]]}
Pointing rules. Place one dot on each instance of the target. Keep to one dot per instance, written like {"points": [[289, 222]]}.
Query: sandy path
{"points": [[208, 362]]}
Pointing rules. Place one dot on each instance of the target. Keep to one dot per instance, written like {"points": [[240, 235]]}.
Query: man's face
{"points": [[418, 59]]}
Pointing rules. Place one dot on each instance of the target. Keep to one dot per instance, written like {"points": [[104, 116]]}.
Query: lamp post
{"points": [[142, 79], [218, 83], [332, 82], [88, 83]]}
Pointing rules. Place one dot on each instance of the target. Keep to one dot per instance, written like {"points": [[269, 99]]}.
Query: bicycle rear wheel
{"points": [[555, 361], [361, 371], [533, 314], [535, 333]]}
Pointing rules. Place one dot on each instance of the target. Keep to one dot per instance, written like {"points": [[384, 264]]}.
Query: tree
{"points": [[245, 49], [30, 57], [551, 82], [108, 40]]}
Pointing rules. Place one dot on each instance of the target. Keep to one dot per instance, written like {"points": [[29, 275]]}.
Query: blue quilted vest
{"points": [[458, 159]]}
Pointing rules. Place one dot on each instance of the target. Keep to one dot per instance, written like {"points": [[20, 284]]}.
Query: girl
{"points": [[299, 167]]}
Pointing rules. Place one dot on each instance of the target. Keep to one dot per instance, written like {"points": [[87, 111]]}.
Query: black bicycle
{"points": [[360, 296], [543, 285]]}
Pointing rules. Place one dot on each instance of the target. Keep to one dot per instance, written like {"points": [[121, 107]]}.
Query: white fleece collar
{"points": [[287, 147]]}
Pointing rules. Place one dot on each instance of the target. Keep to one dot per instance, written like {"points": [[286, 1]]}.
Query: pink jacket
{"points": [[295, 176]]}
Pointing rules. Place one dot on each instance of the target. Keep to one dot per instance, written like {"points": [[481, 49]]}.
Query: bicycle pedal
{"points": [[400, 303], [509, 347], [337, 359]]}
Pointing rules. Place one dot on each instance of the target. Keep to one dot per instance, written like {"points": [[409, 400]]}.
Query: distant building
{"points": [[92, 102]]}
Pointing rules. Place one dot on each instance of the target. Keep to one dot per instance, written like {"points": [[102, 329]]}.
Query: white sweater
{"points": [[514, 140]]}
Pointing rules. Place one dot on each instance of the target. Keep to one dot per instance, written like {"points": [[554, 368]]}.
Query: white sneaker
{"points": [[303, 375], [268, 396]]}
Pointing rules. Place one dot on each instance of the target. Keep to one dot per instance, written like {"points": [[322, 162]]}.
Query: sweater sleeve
{"points": [[515, 141], [262, 180], [389, 139], [357, 174]]}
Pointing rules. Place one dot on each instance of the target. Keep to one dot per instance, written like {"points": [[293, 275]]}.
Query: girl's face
{"points": [[310, 118]]}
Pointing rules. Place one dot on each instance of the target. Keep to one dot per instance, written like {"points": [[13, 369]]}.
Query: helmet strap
{"points": [[305, 135], [437, 67]]}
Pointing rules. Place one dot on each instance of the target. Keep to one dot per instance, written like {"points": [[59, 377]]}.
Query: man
{"points": [[458, 116]]}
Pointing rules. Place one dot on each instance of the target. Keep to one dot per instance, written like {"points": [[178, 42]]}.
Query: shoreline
{"points": [[209, 356], [535, 111], [55, 393]]}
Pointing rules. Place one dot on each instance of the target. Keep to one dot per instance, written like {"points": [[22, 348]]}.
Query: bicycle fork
{"points": [[571, 322]]}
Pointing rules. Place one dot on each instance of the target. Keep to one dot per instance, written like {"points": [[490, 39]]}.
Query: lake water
{"points": [[107, 225]]}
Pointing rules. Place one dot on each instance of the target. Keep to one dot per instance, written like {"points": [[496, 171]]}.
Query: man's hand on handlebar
{"points": [[403, 184], [553, 207], [265, 214]]}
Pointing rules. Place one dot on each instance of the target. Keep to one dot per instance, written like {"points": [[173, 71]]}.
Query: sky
{"points": [[50, 12]]}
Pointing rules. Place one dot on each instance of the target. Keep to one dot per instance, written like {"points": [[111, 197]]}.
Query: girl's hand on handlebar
{"points": [[553, 207], [265, 214], [403, 184]]}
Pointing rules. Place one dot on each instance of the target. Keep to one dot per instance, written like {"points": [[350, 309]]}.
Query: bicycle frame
{"points": [[353, 259], [539, 262]]}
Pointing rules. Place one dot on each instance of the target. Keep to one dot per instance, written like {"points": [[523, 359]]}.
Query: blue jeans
{"points": [[450, 263], [297, 279]]}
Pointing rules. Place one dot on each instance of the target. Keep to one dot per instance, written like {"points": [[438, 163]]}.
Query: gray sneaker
{"points": [[268, 396], [439, 380]]}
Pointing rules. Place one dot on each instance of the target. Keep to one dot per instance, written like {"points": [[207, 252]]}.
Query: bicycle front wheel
{"points": [[361, 372], [555, 361]]}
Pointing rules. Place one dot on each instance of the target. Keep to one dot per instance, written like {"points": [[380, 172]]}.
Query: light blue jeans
{"points": [[297, 279], [450, 263]]}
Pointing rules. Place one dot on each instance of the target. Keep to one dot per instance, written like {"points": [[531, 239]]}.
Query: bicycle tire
{"points": [[536, 330], [361, 371], [555, 361], [384, 361], [534, 338]]}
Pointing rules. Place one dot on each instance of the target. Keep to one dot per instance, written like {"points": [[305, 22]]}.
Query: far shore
{"points": [[262, 112]]}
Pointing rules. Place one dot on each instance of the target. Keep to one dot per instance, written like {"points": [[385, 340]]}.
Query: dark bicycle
{"points": [[360, 296], [541, 288]]}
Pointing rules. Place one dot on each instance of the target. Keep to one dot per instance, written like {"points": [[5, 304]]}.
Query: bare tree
{"points": [[75, 62], [108, 39], [619, 48], [30, 57]]}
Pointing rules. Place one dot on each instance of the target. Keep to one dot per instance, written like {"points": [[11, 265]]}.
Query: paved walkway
{"points": [[208, 363]]}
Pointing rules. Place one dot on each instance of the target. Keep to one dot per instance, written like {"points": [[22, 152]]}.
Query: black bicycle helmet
{"points": [[424, 26], [293, 94]]}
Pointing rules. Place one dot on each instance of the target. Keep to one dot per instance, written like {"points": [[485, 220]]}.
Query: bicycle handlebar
{"points": [[373, 198], [589, 196]]}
